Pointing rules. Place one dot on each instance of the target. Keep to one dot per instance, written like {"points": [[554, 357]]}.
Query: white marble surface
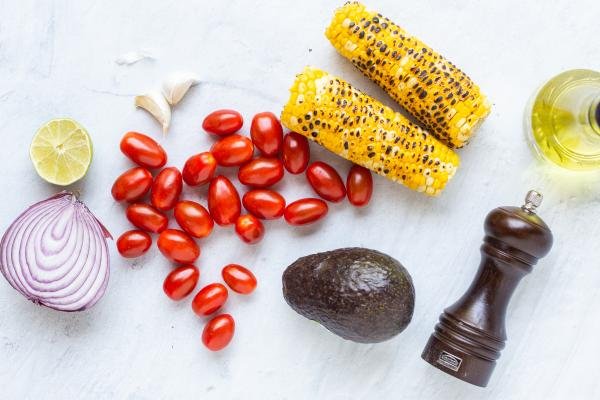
{"points": [[57, 59]]}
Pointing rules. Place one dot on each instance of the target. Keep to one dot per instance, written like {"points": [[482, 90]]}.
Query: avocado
{"points": [[359, 294]]}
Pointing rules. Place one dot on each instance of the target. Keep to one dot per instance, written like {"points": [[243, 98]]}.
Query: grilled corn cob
{"points": [[344, 120], [428, 86]]}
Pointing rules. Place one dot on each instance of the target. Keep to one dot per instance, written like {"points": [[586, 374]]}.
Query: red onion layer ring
{"points": [[56, 254]]}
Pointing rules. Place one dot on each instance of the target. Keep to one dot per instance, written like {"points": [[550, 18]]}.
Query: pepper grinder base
{"points": [[453, 361]]}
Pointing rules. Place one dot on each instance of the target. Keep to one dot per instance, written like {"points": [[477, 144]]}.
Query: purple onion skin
{"points": [[56, 254]]}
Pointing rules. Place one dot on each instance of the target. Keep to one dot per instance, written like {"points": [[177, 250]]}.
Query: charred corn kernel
{"points": [[431, 88], [344, 120]]}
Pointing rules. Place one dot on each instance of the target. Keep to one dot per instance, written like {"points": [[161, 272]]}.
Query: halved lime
{"points": [[61, 151]]}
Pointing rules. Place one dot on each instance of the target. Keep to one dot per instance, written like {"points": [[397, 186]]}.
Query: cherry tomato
{"points": [[223, 122], [266, 133], [199, 169], [166, 189], [133, 243], [233, 150], [264, 204], [194, 219], [132, 184], [305, 211], [218, 332], [146, 217], [223, 201], [249, 229], [143, 150], [296, 153], [239, 279], [261, 172], [209, 299], [178, 246], [325, 180], [359, 185], [181, 281]]}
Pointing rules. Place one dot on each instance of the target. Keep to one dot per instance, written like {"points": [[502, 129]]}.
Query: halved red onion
{"points": [[56, 254]]}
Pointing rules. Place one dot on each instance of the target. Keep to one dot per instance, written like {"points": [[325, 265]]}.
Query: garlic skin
{"points": [[133, 57], [177, 85], [155, 103]]}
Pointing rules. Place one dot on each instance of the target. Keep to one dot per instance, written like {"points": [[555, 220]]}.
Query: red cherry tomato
{"points": [[199, 169], [261, 172], [166, 189], [296, 153], [132, 184], [146, 217], [249, 229], [193, 218], [264, 204], [223, 201], [233, 150], [305, 211], [181, 281], [143, 150], [266, 133], [218, 332], [359, 185], [209, 299], [239, 279], [325, 180], [223, 122], [133, 243], [178, 246]]}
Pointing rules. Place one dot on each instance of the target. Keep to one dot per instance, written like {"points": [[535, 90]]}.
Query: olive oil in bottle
{"points": [[563, 120]]}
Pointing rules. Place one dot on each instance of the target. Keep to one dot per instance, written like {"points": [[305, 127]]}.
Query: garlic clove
{"points": [[177, 85], [155, 103]]}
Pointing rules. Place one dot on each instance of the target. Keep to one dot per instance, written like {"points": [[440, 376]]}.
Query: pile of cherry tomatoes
{"points": [[277, 153]]}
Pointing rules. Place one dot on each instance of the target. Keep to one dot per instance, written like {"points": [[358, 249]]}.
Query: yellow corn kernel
{"points": [[431, 88], [329, 111]]}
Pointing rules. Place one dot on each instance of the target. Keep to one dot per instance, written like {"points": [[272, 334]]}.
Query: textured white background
{"points": [[57, 59]]}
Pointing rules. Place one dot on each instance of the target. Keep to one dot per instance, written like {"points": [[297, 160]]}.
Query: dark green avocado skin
{"points": [[359, 294]]}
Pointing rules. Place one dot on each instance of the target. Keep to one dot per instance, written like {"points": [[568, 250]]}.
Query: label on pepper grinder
{"points": [[449, 361]]}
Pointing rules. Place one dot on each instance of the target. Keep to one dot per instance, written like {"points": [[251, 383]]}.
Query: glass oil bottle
{"points": [[563, 120]]}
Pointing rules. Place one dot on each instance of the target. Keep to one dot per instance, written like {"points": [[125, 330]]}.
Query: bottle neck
{"points": [[594, 114]]}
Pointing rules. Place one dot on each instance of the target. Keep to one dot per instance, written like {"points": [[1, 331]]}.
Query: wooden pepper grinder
{"points": [[471, 333]]}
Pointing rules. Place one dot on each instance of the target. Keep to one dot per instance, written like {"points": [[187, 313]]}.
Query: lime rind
{"points": [[61, 151]]}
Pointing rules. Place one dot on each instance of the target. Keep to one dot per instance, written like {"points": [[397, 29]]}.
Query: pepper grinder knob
{"points": [[532, 201], [471, 333]]}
